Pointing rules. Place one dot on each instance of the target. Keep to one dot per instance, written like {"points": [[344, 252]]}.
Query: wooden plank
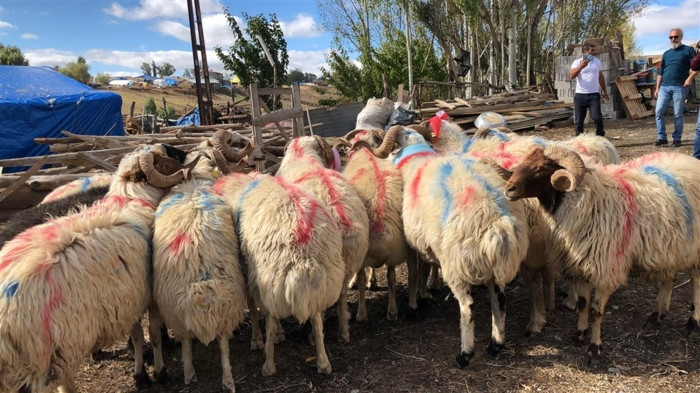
{"points": [[627, 77], [277, 124], [462, 101], [271, 91], [282, 114], [255, 112], [97, 161], [445, 104], [298, 121], [56, 158], [21, 179]]}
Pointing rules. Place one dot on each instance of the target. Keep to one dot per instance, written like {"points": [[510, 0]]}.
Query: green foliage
{"points": [[166, 69], [187, 73], [79, 70], [246, 58], [329, 102], [309, 77], [146, 68], [295, 76], [150, 107], [103, 78], [169, 115], [12, 55]]}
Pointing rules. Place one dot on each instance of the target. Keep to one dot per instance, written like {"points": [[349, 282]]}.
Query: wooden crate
{"points": [[631, 97]]}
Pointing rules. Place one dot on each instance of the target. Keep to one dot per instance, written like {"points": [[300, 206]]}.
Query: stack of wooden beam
{"points": [[523, 109]]}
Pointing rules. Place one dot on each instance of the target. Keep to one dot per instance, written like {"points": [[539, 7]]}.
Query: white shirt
{"points": [[587, 79]]}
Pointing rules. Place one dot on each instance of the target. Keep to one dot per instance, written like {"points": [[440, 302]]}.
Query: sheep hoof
{"points": [[280, 338], [533, 329], [326, 369], [653, 321], [579, 337], [268, 369], [463, 359], [392, 317], [569, 305], [593, 354], [344, 337], [257, 344], [494, 348], [141, 378], [161, 376], [692, 326], [228, 386], [361, 316]]}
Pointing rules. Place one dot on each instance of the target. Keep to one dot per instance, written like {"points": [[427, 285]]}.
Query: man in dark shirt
{"points": [[695, 70], [675, 64]]}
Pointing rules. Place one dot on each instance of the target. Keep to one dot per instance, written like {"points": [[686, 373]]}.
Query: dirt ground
{"points": [[416, 354]]}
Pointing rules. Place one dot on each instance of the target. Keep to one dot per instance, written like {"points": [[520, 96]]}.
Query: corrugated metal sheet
{"points": [[337, 121]]}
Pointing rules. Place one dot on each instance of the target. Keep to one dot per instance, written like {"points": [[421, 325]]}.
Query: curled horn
{"points": [[504, 130], [327, 149], [424, 130], [158, 179], [220, 141], [350, 135], [388, 143], [221, 162], [501, 171], [482, 133], [566, 179]]}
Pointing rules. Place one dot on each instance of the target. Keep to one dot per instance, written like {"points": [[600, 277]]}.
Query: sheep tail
{"points": [[202, 294], [304, 291]]}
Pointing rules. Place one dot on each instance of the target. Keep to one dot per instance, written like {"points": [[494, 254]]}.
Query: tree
{"points": [[12, 55], [103, 78], [146, 68], [309, 77], [246, 57], [295, 76], [154, 68], [78, 70], [166, 69], [187, 73], [150, 106]]}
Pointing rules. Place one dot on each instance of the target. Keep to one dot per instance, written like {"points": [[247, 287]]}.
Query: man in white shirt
{"points": [[589, 83]]}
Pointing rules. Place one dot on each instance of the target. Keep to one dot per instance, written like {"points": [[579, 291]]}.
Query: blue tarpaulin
{"points": [[38, 102], [189, 119]]}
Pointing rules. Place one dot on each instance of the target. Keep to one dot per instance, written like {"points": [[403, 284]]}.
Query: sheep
{"points": [[380, 186], [617, 218], [198, 285], [305, 164], [292, 248], [97, 181], [454, 216], [77, 283]]}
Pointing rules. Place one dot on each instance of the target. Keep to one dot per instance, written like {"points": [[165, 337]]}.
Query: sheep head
{"points": [[163, 172], [542, 172]]}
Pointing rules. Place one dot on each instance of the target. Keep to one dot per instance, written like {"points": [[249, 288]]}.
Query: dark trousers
{"points": [[582, 103]]}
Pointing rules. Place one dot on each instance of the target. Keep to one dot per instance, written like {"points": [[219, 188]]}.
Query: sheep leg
{"points": [[663, 302], [67, 383], [571, 301], [362, 300], [694, 320], [423, 273], [597, 311], [190, 375], [343, 323], [323, 365], [154, 325], [548, 287], [372, 279], [535, 283], [583, 290], [256, 341], [498, 318], [412, 263], [140, 375], [268, 367], [392, 312], [226, 374], [279, 335], [434, 279], [462, 292]]}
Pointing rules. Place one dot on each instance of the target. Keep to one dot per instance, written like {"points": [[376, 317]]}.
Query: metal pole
{"points": [[204, 100], [408, 46]]}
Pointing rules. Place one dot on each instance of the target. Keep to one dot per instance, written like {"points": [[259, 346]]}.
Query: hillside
{"points": [[184, 98]]}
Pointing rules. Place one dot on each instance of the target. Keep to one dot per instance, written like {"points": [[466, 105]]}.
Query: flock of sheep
{"points": [[196, 245]]}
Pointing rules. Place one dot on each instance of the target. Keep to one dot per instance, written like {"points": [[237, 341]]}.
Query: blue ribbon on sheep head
{"points": [[563, 168]]}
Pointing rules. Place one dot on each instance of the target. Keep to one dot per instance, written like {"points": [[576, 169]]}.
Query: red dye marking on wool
{"points": [[465, 197], [503, 158], [644, 160], [358, 137], [381, 177], [406, 160], [326, 176], [305, 220], [627, 189], [179, 243], [11, 256], [297, 149], [413, 189], [52, 305], [580, 147], [357, 176], [49, 232]]}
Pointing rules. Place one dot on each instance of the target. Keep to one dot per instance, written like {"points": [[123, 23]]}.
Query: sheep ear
{"points": [[564, 180]]}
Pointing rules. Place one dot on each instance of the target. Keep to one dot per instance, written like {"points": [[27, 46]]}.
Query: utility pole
{"points": [[408, 47], [201, 70]]}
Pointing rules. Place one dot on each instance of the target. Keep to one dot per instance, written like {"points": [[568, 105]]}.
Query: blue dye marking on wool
{"points": [[239, 204], [494, 193], [169, 202], [539, 141], [85, 184], [500, 135], [445, 172], [10, 289], [466, 146], [673, 183]]}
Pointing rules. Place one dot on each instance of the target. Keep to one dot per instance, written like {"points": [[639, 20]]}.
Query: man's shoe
{"points": [[601, 134], [661, 142], [676, 143]]}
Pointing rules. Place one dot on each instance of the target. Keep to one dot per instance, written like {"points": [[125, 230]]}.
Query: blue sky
{"points": [[117, 36]]}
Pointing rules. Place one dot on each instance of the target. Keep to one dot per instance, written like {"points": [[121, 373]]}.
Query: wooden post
{"points": [[255, 112], [298, 122]]}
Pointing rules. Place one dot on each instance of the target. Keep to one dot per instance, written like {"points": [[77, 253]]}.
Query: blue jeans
{"points": [[696, 142], [666, 94]]}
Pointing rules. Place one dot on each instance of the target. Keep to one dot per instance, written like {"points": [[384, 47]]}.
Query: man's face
{"points": [[675, 38], [592, 50]]}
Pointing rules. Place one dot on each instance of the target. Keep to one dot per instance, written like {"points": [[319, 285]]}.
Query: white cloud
{"points": [[303, 26], [6, 25], [308, 61], [49, 57], [217, 32], [148, 9], [660, 19], [29, 36]]}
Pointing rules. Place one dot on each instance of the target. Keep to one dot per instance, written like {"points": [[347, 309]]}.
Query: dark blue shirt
{"points": [[675, 65]]}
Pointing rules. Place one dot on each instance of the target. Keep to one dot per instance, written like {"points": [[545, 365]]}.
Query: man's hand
{"points": [[583, 64], [606, 98], [656, 93]]}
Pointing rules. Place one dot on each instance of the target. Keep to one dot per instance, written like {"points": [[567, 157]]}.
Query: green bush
{"points": [[169, 115], [150, 107]]}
